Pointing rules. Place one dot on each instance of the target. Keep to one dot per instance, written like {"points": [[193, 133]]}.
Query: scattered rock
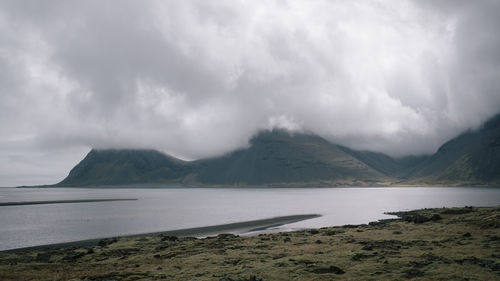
{"points": [[401, 253], [251, 278], [333, 232], [382, 222], [303, 261], [418, 218], [226, 236], [161, 248], [392, 253], [279, 256], [121, 252], [419, 264], [188, 239], [313, 231], [494, 266], [350, 226], [43, 257], [457, 211], [73, 256], [431, 258], [232, 261], [412, 273], [481, 262], [436, 217], [361, 256], [255, 278], [494, 238], [169, 238], [468, 261], [367, 247], [107, 241], [280, 264], [330, 269]]}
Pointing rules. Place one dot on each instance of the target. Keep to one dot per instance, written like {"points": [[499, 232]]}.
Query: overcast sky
{"points": [[199, 78]]}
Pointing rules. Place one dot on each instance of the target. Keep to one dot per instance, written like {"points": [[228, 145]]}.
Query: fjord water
{"points": [[160, 209]]}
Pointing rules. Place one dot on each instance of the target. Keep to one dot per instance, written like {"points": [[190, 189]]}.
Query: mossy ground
{"points": [[459, 244]]}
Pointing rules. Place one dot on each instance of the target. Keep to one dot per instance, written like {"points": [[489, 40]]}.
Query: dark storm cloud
{"points": [[475, 68], [199, 78]]}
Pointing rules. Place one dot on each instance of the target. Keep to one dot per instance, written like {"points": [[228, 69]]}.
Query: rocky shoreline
{"points": [[428, 244]]}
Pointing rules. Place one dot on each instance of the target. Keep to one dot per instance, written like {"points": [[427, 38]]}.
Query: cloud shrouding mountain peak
{"points": [[197, 79]]}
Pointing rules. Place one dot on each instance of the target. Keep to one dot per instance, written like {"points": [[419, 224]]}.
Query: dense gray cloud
{"points": [[198, 78]]}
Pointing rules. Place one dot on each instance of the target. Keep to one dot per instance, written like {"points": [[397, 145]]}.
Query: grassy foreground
{"points": [[429, 244]]}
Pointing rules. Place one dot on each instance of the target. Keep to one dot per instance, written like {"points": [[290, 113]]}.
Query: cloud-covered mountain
{"points": [[473, 157], [197, 79], [287, 158], [273, 158]]}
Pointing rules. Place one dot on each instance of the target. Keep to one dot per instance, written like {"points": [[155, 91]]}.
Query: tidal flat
{"points": [[427, 244]]}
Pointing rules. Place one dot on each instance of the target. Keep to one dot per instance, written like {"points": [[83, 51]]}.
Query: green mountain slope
{"points": [[391, 167], [274, 157], [283, 157], [472, 157], [115, 167], [280, 157]]}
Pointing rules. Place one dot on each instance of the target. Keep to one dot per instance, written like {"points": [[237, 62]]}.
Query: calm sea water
{"points": [[177, 208]]}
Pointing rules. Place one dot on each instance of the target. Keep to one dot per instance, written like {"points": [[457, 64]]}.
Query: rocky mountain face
{"points": [[280, 157], [471, 158], [283, 157], [119, 167]]}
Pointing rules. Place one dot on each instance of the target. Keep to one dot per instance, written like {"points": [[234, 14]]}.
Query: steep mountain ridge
{"points": [[286, 158], [117, 167], [273, 158], [472, 157], [392, 167], [283, 157]]}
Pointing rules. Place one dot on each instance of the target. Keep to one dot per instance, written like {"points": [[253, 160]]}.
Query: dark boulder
{"points": [[418, 218], [107, 241], [330, 269]]}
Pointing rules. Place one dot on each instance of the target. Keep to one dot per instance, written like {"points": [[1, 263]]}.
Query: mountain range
{"points": [[284, 158]]}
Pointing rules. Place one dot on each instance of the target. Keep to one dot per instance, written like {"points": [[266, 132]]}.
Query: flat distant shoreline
{"points": [[246, 226], [21, 203]]}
